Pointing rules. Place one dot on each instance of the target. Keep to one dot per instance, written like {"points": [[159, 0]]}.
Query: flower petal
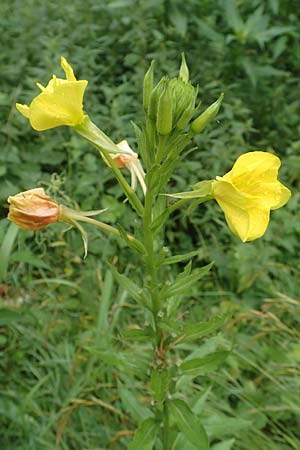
{"points": [[23, 109], [284, 197], [244, 215], [67, 69], [63, 106], [254, 165]]}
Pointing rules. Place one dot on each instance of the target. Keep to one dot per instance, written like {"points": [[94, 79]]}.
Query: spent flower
{"points": [[33, 209]]}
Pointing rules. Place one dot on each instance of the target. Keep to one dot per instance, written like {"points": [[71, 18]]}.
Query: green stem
{"points": [[104, 226], [165, 430]]}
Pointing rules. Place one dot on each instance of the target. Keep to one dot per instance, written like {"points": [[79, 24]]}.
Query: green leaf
{"points": [[199, 330], [128, 285], [188, 424], [219, 426], [178, 258], [202, 366], [159, 384], [226, 445], [233, 17], [132, 405], [145, 435], [8, 316], [28, 257], [186, 280], [138, 334], [6, 249]]}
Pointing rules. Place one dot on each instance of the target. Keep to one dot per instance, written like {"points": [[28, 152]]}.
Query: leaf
{"points": [[145, 435], [178, 258], [128, 285], [219, 426], [202, 366], [159, 384], [178, 20], [188, 424], [138, 334], [132, 405], [186, 280], [199, 330], [8, 316], [225, 445], [28, 257], [6, 249], [233, 17]]}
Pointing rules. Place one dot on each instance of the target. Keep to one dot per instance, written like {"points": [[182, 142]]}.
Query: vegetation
{"points": [[57, 309]]}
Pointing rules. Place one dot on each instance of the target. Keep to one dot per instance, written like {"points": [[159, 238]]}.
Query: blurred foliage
{"points": [[56, 309]]}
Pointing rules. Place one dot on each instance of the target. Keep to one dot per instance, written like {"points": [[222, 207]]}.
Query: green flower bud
{"points": [[186, 116], [156, 93], [200, 123], [148, 86], [184, 70], [184, 94], [165, 112]]}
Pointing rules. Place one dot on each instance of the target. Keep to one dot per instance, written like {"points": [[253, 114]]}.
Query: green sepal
{"points": [[203, 189]]}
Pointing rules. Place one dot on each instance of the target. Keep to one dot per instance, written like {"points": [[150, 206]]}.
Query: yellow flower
{"points": [[33, 209], [60, 103], [248, 192]]}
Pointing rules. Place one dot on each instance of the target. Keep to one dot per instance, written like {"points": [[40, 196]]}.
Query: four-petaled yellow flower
{"points": [[60, 103], [248, 192], [33, 209]]}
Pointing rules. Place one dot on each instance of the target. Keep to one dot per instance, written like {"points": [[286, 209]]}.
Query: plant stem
{"points": [[104, 226], [165, 430]]}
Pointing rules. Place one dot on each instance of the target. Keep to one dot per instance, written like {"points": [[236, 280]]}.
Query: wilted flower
{"points": [[129, 159], [33, 209], [60, 102], [248, 192]]}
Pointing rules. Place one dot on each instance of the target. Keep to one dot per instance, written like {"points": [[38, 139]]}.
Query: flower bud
{"points": [[148, 86], [183, 94], [156, 93], [200, 123], [184, 70], [165, 112], [33, 209]]}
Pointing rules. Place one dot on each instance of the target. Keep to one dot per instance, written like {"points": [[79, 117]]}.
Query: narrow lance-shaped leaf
{"points": [[199, 330], [202, 366], [189, 424], [185, 281], [145, 435], [128, 285], [159, 384]]}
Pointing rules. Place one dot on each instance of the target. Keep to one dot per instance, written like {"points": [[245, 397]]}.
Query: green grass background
{"points": [[56, 308]]}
